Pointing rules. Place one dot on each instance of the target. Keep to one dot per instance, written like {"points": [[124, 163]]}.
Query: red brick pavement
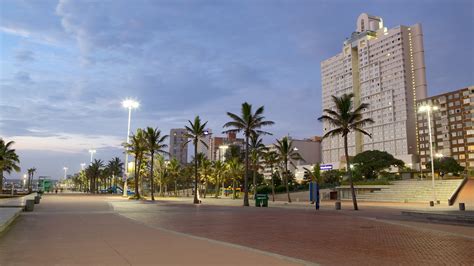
{"points": [[324, 237]]}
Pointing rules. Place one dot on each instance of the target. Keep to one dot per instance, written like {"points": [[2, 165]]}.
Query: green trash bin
{"points": [[261, 200]]}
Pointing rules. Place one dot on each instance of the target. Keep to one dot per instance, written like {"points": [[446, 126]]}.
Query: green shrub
{"points": [[264, 190]]}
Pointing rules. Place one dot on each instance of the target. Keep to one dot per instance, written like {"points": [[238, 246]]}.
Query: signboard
{"points": [[325, 167]]}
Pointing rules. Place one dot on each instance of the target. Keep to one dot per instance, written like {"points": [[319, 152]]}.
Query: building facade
{"points": [[451, 125], [384, 68], [219, 145], [178, 146]]}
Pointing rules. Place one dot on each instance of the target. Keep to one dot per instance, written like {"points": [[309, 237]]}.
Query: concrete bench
{"points": [[7, 216], [17, 202]]}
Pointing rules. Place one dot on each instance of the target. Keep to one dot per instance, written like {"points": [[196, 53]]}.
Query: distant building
{"points": [[219, 145], [452, 127], [206, 139], [178, 148], [384, 68], [310, 151]]}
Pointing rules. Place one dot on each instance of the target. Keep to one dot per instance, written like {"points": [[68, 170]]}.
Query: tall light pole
{"points": [[65, 172], [82, 166], [130, 104], [428, 109], [91, 151]]}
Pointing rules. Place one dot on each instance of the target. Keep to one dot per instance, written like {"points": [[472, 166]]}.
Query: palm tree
{"points": [[115, 168], [344, 120], [235, 171], [31, 173], [94, 171], [257, 149], [154, 142], [137, 148], [174, 170], [196, 134], [250, 124], [271, 159], [9, 160], [160, 171], [219, 168], [206, 168], [287, 154]]}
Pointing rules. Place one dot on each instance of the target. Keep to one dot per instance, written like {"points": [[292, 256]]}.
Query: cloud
{"points": [[23, 77], [25, 56]]}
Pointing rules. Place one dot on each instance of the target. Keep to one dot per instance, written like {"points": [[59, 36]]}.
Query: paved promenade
{"points": [[110, 230]]}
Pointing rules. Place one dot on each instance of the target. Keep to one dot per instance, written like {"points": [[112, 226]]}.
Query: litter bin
{"points": [[261, 200], [29, 205]]}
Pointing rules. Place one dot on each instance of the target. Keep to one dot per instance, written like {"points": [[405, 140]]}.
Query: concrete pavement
{"points": [[86, 230]]}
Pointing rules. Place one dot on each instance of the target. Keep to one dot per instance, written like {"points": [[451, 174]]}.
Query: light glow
{"points": [[130, 103]]}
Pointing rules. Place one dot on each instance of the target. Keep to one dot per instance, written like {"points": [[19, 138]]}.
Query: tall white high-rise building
{"points": [[386, 69]]}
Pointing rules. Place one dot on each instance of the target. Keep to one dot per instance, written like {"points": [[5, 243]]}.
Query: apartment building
{"points": [[384, 68], [177, 148], [218, 146], [452, 127]]}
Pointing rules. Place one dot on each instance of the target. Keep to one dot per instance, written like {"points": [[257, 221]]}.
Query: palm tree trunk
{"points": [[1, 181], [175, 188], [151, 178], [217, 188], [137, 195], [286, 181], [273, 186], [234, 196], [254, 183], [349, 172], [205, 188], [246, 179], [196, 200]]}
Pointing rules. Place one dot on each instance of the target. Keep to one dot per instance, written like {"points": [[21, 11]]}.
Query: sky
{"points": [[65, 66]]}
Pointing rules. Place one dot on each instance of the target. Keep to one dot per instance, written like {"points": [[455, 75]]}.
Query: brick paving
{"points": [[326, 237]]}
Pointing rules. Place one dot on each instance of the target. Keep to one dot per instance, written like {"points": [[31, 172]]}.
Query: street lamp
{"points": [[24, 181], [82, 166], [91, 151], [428, 109], [65, 171], [130, 104]]}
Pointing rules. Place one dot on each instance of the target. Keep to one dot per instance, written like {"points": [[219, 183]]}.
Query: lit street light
{"points": [[428, 109], [24, 180], [130, 104], [92, 153], [65, 172]]}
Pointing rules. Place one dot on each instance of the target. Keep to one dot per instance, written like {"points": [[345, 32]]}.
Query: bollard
{"points": [[338, 205], [30, 205], [37, 199], [438, 202], [462, 206], [431, 203]]}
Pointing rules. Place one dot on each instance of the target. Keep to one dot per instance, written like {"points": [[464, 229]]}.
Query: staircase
{"points": [[413, 191]]}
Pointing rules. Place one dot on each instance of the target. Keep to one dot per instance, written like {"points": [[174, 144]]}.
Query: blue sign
{"points": [[325, 167]]}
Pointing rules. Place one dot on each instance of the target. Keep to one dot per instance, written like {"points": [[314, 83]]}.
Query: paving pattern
{"points": [[325, 237]]}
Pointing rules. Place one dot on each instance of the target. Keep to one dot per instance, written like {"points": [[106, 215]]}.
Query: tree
{"points": [[115, 169], [235, 171], [257, 150], [93, 172], [196, 134], [445, 165], [344, 120], [174, 170], [370, 163], [137, 148], [250, 124], [154, 142], [9, 160], [31, 173], [206, 168], [219, 169], [287, 154], [271, 160]]}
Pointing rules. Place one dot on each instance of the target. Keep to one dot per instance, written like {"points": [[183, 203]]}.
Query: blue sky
{"points": [[66, 65]]}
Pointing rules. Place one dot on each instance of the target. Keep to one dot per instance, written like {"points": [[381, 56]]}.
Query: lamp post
{"points": [[91, 151], [82, 166], [428, 109], [24, 181], [65, 172], [130, 104]]}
